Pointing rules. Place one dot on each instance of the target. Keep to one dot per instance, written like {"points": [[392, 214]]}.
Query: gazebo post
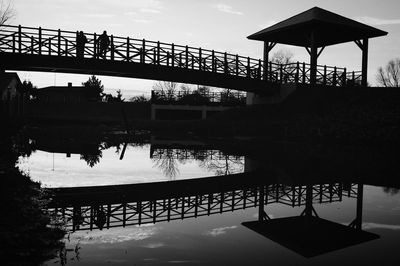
{"points": [[266, 56], [313, 59], [267, 48], [364, 68]]}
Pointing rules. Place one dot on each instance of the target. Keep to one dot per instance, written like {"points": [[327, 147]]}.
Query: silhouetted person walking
{"points": [[103, 43], [81, 40]]}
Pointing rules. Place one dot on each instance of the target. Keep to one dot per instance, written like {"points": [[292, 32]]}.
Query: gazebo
{"points": [[315, 29]]}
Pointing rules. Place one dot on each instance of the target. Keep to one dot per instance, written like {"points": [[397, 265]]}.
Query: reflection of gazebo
{"points": [[308, 234], [317, 28]]}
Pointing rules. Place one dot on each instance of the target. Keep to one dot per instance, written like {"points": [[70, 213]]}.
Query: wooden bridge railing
{"points": [[40, 41], [93, 216]]}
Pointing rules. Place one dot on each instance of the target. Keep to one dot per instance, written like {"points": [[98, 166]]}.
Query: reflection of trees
{"points": [[391, 190], [212, 160], [92, 159], [92, 153], [167, 163], [223, 164]]}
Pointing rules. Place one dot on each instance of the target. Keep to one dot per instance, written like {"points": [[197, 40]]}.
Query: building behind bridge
{"points": [[11, 98], [62, 94]]}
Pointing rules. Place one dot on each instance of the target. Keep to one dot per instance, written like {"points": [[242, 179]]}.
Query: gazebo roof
{"points": [[330, 28]]}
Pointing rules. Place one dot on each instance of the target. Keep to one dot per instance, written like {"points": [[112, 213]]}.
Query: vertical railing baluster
{"points": [[297, 72], [225, 63], [334, 76], [173, 55], [237, 65], [248, 67], [31, 44], [127, 49], [270, 71], [180, 60], [59, 42], [142, 54], [40, 40], [49, 46], [259, 68], [168, 58], [66, 48], [324, 78], [281, 73], [304, 73], [95, 46], [213, 61], [200, 58], [19, 39], [353, 78], [158, 53], [155, 57], [112, 48], [344, 79], [186, 56], [13, 41]]}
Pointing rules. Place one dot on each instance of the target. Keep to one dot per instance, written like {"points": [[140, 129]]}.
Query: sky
{"points": [[220, 25]]}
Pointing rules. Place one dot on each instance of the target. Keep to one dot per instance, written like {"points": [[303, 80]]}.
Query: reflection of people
{"points": [[100, 217], [81, 40], [103, 43]]}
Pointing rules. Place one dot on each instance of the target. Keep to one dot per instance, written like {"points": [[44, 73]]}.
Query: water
{"points": [[162, 201]]}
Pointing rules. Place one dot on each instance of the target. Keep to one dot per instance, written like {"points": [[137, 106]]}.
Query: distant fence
{"points": [[48, 42]]}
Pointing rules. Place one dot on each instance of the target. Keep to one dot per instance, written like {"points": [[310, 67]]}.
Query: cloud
{"points": [[381, 226], [150, 10], [220, 231], [377, 21], [154, 245], [97, 15], [116, 236], [141, 20], [227, 9]]}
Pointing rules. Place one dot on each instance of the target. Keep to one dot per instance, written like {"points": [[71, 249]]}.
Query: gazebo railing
{"points": [[48, 42]]}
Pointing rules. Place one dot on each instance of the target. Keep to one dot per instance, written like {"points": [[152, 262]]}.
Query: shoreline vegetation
{"points": [[27, 232]]}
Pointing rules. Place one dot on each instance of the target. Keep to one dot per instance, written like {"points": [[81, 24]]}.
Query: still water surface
{"points": [[205, 226]]}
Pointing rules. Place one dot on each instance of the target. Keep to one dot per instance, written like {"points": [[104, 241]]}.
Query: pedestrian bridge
{"points": [[39, 49]]}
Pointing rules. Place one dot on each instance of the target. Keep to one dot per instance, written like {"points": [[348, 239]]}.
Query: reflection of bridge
{"points": [[38, 49], [188, 154], [115, 206]]}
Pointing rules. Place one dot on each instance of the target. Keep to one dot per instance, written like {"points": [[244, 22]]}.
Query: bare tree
{"points": [[283, 57], [7, 12], [167, 88], [390, 75]]}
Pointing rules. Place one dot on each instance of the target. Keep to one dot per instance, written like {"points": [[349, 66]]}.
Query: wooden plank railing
{"points": [[40, 41]]}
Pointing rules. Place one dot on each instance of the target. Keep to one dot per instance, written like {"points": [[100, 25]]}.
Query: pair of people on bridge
{"points": [[102, 44]]}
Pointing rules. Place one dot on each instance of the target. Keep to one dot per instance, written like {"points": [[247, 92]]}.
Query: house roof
{"points": [[62, 89], [329, 28], [6, 79]]}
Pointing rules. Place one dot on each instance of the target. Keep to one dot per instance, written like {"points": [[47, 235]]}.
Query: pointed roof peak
{"points": [[331, 28]]}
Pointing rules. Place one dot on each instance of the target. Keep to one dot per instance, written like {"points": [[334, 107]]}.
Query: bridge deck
{"points": [[38, 49]]}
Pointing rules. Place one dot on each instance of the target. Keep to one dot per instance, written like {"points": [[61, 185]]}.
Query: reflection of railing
{"points": [[84, 217], [47, 42], [197, 154], [198, 98]]}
